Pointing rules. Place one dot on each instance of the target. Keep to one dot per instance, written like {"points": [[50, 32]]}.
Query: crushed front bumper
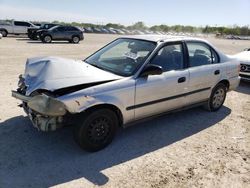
{"points": [[41, 122], [20, 96]]}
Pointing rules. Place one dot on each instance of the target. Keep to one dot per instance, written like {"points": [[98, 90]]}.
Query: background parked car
{"points": [[88, 30], [33, 32], [60, 33], [15, 27], [1, 35], [244, 59]]}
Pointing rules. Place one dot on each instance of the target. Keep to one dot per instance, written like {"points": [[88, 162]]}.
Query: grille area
{"points": [[244, 68]]}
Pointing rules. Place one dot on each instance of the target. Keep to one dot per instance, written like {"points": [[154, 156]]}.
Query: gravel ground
{"points": [[192, 148]]}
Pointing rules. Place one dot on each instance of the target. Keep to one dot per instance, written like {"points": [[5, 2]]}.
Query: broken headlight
{"points": [[46, 105]]}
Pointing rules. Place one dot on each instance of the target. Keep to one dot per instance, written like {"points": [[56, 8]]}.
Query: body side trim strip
{"points": [[166, 99]]}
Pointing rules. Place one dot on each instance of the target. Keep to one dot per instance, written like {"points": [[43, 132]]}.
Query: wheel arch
{"points": [[3, 29], [75, 35], [107, 106], [225, 82]]}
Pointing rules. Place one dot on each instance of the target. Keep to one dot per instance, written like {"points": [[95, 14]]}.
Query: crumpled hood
{"points": [[52, 73]]}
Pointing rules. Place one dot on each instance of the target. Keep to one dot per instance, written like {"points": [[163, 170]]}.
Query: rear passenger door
{"points": [[204, 70], [71, 31]]}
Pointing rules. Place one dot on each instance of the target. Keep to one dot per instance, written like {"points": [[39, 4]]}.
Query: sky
{"points": [[127, 12]]}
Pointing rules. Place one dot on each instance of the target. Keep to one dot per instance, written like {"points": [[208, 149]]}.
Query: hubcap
{"points": [[47, 39], [99, 130], [218, 98], [75, 39]]}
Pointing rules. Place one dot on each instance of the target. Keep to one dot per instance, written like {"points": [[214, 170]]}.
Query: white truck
{"points": [[15, 27]]}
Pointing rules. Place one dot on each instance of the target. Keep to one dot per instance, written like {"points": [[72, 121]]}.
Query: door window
{"points": [[72, 29], [61, 29], [169, 57], [201, 54], [25, 24]]}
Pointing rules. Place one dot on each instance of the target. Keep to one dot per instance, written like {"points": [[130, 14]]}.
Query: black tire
{"points": [[217, 98], [96, 129], [47, 39], [4, 33], [75, 39]]}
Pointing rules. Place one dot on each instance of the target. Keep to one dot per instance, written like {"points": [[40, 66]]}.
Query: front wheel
{"points": [[217, 98], [96, 129], [47, 39], [4, 33]]}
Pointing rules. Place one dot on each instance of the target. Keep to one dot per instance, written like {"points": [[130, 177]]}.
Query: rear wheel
{"points": [[75, 39], [96, 129], [217, 98], [47, 39]]}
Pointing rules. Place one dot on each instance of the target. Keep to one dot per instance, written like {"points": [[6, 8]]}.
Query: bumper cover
{"points": [[42, 123], [245, 76], [20, 96]]}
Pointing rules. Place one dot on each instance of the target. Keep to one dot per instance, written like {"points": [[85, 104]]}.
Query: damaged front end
{"points": [[46, 79], [45, 112]]}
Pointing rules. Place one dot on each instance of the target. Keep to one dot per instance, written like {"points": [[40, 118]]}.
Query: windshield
{"points": [[123, 56]]}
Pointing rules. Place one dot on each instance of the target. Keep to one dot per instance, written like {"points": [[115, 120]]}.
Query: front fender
{"points": [[80, 104]]}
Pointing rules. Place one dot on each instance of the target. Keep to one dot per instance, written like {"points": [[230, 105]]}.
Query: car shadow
{"points": [[23, 39], [53, 42], [17, 36], [244, 87], [30, 158]]}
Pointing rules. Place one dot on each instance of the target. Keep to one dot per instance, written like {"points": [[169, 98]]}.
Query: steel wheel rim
{"points": [[218, 98], [99, 130]]}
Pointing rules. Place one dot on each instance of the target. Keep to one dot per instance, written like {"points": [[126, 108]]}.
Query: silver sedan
{"points": [[130, 79]]}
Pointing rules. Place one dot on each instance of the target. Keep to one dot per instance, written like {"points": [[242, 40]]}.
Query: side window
{"points": [[201, 54], [169, 57], [72, 29], [18, 23], [215, 58], [25, 24], [61, 29]]}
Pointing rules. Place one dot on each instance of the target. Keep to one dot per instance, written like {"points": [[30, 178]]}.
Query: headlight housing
{"points": [[47, 105]]}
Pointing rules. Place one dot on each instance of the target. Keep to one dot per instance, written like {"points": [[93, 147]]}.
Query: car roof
{"points": [[163, 38]]}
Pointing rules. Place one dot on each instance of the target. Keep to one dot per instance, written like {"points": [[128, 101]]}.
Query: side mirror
{"points": [[151, 69]]}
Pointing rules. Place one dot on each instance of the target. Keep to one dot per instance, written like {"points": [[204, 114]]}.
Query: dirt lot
{"points": [[193, 148]]}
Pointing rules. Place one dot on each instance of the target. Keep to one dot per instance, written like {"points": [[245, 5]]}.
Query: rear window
{"points": [[201, 54], [72, 29]]}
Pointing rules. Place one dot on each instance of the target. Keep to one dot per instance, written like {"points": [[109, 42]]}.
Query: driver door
{"points": [[156, 94]]}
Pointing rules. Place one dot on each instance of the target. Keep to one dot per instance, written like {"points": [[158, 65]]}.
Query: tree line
{"points": [[220, 30]]}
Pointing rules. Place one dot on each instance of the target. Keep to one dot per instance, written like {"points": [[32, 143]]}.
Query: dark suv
{"points": [[68, 33], [33, 33]]}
